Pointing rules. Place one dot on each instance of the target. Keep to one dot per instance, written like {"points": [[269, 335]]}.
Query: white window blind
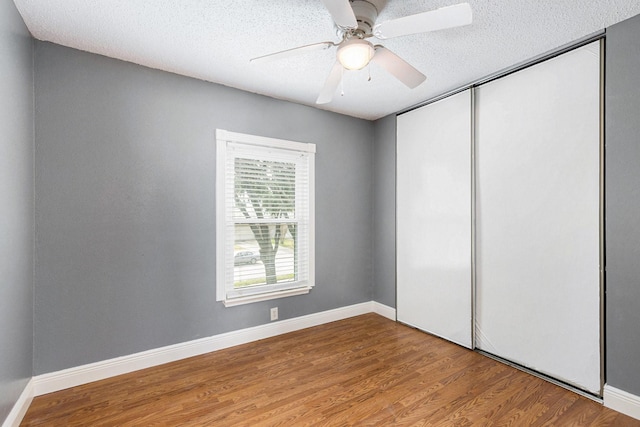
{"points": [[264, 218]]}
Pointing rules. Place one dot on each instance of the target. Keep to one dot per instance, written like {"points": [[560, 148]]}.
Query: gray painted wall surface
{"points": [[384, 211], [622, 109], [16, 199], [125, 206]]}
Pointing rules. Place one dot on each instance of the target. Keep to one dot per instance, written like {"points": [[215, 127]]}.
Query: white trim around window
{"points": [[264, 218]]}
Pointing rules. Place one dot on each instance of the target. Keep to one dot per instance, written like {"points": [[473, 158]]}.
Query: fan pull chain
{"points": [[342, 84], [369, 71]]}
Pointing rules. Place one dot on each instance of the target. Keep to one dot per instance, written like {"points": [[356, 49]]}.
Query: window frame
{"points": [[224, 239]]}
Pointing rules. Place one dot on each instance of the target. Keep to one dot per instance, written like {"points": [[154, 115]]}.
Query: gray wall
{"points": [[16, 199], [622, 107], [384, 211], [125, 206]]}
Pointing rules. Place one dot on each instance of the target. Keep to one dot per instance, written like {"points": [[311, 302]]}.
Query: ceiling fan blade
{"points": [[294, 51], [331, 84], [342, 13], [398, 67], [439, 19]]}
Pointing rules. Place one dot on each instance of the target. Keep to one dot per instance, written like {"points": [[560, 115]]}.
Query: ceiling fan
{"points": [[356, 23]]}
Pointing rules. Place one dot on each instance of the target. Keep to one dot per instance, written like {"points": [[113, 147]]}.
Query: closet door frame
{"points": [[599, 36]]}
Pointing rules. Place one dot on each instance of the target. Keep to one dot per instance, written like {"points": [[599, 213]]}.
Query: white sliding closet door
{"points": [[434, 218], [538, 205]]}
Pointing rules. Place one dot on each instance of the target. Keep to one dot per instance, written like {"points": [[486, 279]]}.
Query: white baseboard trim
{"points": [[384, 310], [621, 401], [60, 380], [20, 408]]}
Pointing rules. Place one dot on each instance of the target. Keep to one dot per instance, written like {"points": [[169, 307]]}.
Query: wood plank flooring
{"points": [[364, 371]]}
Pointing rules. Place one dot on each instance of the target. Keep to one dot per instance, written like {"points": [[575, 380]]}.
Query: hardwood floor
{"points": [[362, 371]]}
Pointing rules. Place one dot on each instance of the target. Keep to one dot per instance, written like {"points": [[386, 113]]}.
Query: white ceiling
{"points": [[213, 40]]}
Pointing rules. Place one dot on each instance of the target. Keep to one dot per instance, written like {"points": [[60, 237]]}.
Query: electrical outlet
{"points": [[274, 313]]}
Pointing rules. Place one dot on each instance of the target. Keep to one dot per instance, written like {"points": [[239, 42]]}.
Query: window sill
{"points": [[265, 297]]}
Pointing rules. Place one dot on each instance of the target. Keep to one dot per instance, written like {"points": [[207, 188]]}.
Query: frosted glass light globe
{"points": [[355, 54]]}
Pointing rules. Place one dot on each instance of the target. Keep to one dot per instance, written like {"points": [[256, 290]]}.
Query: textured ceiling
{"points": [[213, 40]]}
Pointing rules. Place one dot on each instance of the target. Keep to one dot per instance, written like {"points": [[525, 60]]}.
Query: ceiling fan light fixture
{"points": [[355, 54]]}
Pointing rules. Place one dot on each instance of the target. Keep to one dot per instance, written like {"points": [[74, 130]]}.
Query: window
{"points": [[264, 216]]}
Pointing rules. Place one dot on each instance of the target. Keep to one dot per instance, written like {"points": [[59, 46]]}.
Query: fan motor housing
{"points": [[366, 12]]}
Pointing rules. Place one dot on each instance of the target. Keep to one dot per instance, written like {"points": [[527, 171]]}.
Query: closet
{"points": [[499, 218]]}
